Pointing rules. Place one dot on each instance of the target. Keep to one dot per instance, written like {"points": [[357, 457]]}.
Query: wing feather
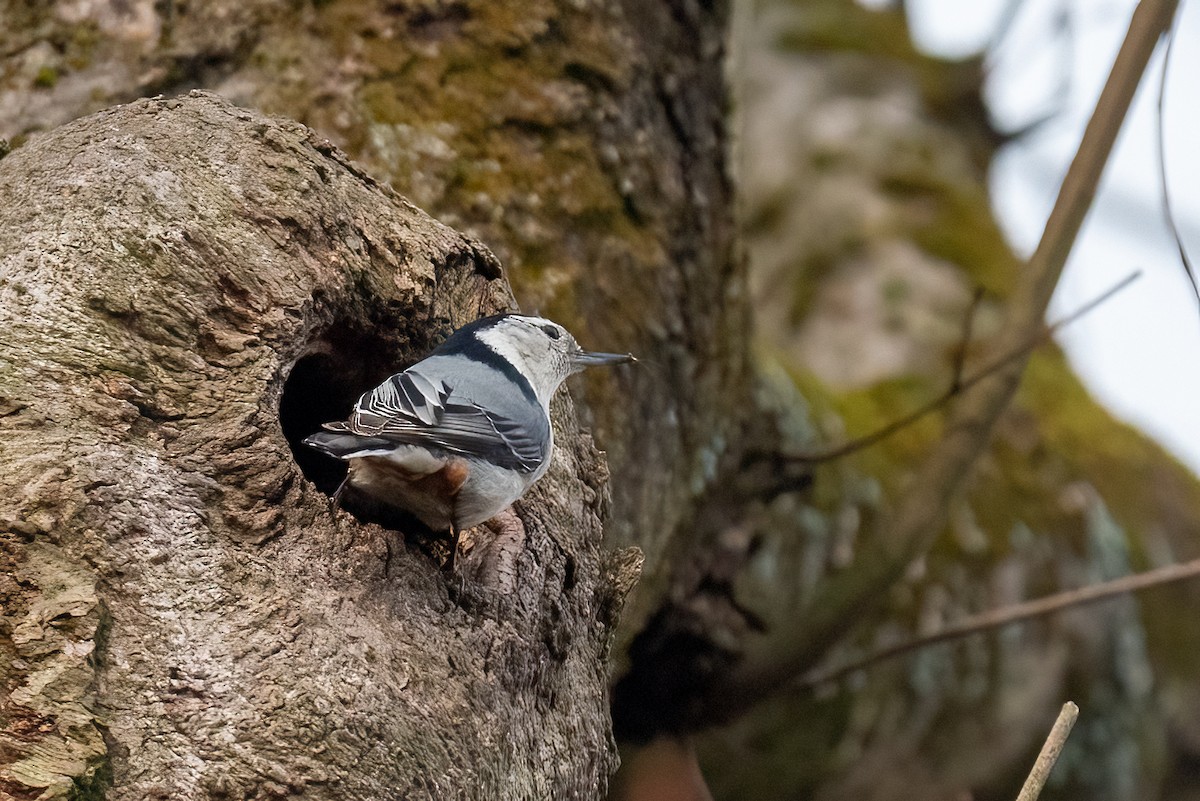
{"points": [[412, 409]]}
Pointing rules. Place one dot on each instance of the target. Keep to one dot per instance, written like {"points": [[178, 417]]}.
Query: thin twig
{"points": [[1165, 192], [1016, 613], [1049, 753], [960, 385], [964, 341]]}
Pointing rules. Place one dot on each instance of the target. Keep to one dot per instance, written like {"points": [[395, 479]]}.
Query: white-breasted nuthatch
{"points": [[459, 436]]}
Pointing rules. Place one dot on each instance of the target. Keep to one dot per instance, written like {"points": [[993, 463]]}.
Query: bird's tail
{"points": [[349, 446]]}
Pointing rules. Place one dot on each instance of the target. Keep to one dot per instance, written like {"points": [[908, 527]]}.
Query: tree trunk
{"points": [[583, 142], [187, 290]]}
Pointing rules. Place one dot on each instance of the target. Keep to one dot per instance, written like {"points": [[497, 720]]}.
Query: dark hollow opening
{"points": [[317, 391], [344, 363]]}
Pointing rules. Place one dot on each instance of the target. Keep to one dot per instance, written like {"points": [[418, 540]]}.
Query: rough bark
{"points": [[185, 289], [583, 142]]}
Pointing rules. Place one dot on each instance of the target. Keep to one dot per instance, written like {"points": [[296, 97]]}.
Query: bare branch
{"points": [[960, 384], [964, 341], [1049, 753], [1164, 188], [1016, 613]]}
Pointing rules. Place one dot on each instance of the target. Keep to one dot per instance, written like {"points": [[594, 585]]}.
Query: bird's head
{"points": [[540, 349]]}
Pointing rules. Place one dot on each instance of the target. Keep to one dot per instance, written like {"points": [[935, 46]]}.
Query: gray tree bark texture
{"points": [[583, 142], [187, 617]]}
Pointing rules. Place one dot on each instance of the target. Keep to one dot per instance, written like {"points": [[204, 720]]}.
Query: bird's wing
{"points": [[411, 409], [408, 395]]}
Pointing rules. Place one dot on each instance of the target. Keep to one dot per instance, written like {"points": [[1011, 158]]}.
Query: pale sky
{"points": [[1140, 352]]}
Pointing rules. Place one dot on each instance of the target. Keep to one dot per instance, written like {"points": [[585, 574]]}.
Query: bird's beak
{"points": [[583, 358]]}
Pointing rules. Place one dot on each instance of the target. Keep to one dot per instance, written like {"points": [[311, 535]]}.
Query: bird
{"points": [[455, 439]]}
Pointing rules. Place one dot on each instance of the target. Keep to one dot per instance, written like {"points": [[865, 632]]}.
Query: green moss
{"points": [[46, 77], [863, 412], [866, 410], [953, 220], [1139, 481], [896, 292], [1146, 490], [950, 89], [381, 102], [843, 26], [495, 85], [1054, 436], [81, 46]]}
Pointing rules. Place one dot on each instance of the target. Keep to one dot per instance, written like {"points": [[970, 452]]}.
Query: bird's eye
{"points": [[552, 331]]}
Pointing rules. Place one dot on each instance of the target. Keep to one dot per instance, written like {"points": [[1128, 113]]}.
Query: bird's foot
{"points": [[493, 560]]}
